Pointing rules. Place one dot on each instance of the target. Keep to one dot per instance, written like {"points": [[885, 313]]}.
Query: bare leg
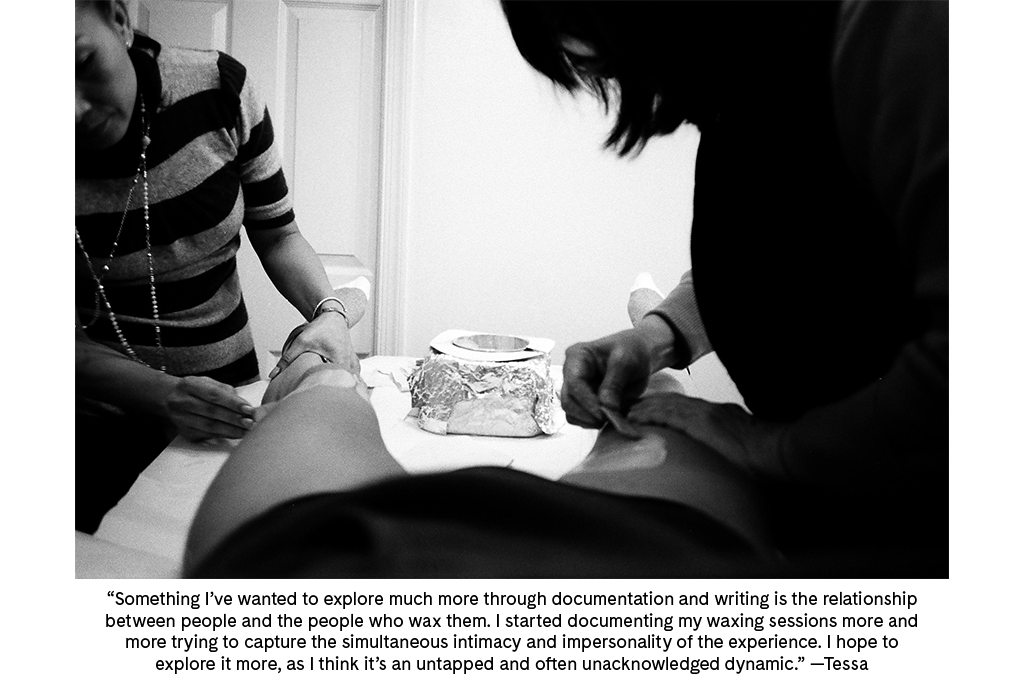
{"points": [[668, 465], [323, 439]]}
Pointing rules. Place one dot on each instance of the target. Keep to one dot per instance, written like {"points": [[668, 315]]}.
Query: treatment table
{"points": [[144, 535]]}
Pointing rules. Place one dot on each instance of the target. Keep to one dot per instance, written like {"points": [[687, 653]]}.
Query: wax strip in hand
{"points": [[620, 423]]}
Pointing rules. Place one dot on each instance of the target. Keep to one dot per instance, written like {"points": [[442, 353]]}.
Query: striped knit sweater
{"points": [[212, 167]]}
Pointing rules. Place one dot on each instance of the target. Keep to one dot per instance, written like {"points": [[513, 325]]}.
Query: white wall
{"points": [[519, 221]]}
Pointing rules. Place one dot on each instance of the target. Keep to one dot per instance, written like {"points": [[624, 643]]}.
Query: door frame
{"points": [[395, 163]]}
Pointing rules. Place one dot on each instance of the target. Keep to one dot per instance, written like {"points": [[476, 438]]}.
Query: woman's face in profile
{"points": [[105, 84]]}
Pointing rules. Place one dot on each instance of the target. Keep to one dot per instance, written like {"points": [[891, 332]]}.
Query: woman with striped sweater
{"points": [[174, 154]]}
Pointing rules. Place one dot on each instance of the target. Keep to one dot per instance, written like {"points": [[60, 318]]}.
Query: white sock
{"points": [[643, 297], [645, 281], [360, 283], [356, 297]]}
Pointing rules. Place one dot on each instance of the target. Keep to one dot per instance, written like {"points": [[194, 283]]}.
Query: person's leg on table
{"points": [[668, 465], [325, 438]]}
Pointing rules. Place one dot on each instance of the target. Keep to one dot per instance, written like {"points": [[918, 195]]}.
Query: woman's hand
{"points": [[298, 274], [612, 372], [729, 430], [200, 408], [326, 335]]}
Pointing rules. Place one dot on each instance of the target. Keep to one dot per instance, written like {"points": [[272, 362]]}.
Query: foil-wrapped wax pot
{"points": [[480, 384]]}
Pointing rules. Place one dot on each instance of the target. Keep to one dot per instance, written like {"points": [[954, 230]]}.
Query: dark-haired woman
{"points": [[174, 153], [819, 247]]}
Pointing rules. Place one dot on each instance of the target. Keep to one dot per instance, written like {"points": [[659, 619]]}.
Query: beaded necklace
{"points": [[101, 294]]}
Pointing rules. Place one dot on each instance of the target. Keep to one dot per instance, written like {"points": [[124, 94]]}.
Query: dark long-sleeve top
{"points": [[820, 240]]}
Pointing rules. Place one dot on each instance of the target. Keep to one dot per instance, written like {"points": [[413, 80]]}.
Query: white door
{"points": [[318, 65]]}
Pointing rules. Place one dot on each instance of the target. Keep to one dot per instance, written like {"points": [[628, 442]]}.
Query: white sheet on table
{"points": [[155, 514]]}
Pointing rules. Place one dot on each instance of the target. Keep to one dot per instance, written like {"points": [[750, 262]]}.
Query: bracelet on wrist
{"points": [[323, 358], [320, 308]]}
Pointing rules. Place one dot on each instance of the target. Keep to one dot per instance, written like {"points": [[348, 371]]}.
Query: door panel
{"points": [[318, 66], [193, 23]]}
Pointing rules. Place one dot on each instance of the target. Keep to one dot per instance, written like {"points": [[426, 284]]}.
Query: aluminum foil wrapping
{"points": [[508, 399]]}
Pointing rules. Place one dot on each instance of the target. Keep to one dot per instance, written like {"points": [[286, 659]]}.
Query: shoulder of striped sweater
{"points": [[187, 71]]}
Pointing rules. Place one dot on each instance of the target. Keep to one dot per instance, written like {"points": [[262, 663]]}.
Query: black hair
{"points": [[648, 57]]}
